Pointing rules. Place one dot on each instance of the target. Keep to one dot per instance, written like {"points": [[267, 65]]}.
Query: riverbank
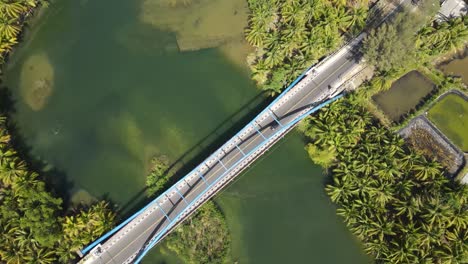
{"points": [[35, 225]]}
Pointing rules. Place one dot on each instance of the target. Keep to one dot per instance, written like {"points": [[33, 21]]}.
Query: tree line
{"points": [[392, 45], [397, 202]]}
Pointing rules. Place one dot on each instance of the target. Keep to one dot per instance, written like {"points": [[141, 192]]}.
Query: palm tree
{"points": [[388, 172], [9, 27], [382, 195], [403, 253], [13, 8], [408, 208], [254, 36], [436, 213], [340, 191], [426, 170], [357, 19]]}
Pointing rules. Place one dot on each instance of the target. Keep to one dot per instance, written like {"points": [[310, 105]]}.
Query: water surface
{"points": [[99, 89], [404, 94], [458, 67]]}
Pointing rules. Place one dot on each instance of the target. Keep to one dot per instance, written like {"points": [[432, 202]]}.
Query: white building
{"points": [[452, 8]]}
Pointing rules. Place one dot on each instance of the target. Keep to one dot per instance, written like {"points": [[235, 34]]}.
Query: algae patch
{"points": [[122, 130], [197, 24], [82, 197], [140, 38], [36, 81]]}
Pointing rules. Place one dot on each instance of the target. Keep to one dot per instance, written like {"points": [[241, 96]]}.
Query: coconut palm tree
{"points": [[14, 8], [254, 36], [426, 170], [357, 20]]}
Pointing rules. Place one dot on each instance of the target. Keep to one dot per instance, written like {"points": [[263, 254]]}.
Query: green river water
{"points": [[100, 87]]}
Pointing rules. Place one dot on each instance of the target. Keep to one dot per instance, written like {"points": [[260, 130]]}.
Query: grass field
{"points": [[450, 115]]}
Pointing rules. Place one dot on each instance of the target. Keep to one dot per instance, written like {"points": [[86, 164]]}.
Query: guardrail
{"points": [[117, 228], [196, 201]]}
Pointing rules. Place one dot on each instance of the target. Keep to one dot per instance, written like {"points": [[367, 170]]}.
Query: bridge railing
{"points": [[117, 228], [194, 202], [298, 79]]}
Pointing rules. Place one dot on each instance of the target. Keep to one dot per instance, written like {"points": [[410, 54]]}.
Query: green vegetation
{"points": [[82, 228], [322, 157], [392, 46], [439, 38], [203, 238], [289, 36], [451, 116], [31, 222], [13, 14], [396, 201], [158, 176], [429, 42]]}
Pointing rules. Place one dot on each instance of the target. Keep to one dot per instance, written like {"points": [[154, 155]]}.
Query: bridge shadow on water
{"points": [[201, 150]]}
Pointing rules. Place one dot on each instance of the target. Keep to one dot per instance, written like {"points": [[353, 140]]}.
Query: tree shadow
{"points": [[55, 179]]}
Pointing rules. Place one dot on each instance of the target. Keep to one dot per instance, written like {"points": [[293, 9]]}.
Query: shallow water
{"points": [[404, 94], [458, 67], [122, 93]]}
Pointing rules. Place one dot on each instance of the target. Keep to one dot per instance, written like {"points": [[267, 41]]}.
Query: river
{"points": [[100, 87]]}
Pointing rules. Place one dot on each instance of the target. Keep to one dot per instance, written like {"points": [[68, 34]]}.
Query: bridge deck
{"points": [[210, 176], [139, 233]]}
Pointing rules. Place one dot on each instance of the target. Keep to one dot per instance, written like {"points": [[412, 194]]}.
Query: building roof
{"points": [[453, 8]]}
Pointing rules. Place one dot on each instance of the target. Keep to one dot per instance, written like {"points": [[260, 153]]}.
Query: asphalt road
{"points": [[124, 246]]}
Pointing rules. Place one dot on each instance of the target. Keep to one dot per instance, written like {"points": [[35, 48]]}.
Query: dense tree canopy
{"points": [[397, 202], [31, 223], [392, 45], [290, 35], [438, 38], [12, 16]]}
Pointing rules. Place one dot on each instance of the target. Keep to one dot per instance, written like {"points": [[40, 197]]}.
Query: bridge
{"points": [[318, 86]]}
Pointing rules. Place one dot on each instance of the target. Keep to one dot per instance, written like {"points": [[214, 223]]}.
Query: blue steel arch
{"points": [[117, 228], [175, 220]]}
